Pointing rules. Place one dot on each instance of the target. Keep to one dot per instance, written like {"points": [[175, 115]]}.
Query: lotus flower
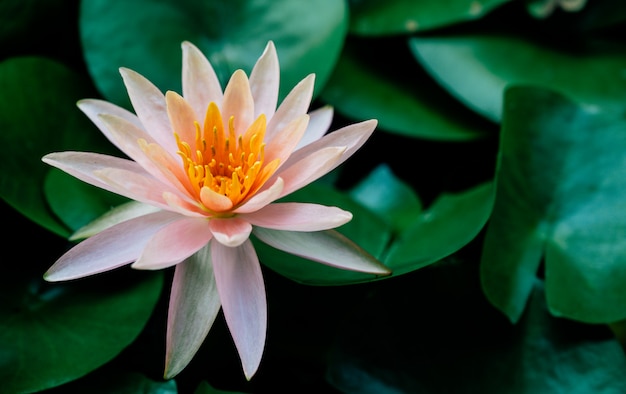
{"points": [[207, 168]]}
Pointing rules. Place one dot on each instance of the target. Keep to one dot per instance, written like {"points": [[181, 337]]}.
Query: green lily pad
{"points": [[376, 18], [51, 334], [399, 94], [477, 69], [560, 188], [38, 115], [388, 197], [450, 223], [145, 36]]}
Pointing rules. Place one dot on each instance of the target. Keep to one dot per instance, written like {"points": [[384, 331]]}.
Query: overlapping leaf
{"points": [[376, 18], [477, 68], [399, 94], [560, 187], [38, 115]]}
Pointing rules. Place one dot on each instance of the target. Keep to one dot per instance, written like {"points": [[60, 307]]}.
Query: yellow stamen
{"points": [[227, 161]]}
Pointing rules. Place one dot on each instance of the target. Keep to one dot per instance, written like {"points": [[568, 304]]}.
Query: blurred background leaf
{"points": [[145, 36]]}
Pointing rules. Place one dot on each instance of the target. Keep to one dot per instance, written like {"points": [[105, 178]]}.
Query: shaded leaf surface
{"points": [[560, 190]]}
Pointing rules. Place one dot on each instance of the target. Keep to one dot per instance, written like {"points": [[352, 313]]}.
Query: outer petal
{"points": [[194, 304], [230, 232], [94, 108], [238, 102], [328, 247], [294, 105], [149, 104], [119, 214], [264, 82], [154, 160], [200, 84], [242, 293], [112, 248], [310, 168], [295, 216], [351, 137], [82, 165], [319, 123], [174, 243]]}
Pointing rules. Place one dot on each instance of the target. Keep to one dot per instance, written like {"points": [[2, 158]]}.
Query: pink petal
{"points": [[182, 117], [82, 165], [174, 243], [194, 305], [293, 106], [238, 102], [200, 84], [263, 198], [309, 169], [109, 249], [242, 293], [264, 82], [351, 137], [230, 232], [94, 108], [119, 214], [285, 141], [149, 104], [328, 247], [135, 185], [294, 216], [319, 123], [156, 161]]}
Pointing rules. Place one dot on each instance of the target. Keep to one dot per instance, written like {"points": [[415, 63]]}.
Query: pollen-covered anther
{"points": [[227, 161]]}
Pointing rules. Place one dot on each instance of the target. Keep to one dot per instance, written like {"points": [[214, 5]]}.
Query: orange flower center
{"points": [[228, 164]]}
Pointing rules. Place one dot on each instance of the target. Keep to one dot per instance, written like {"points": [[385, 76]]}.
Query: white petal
{"points": [[319, 123], [119, 214], [295, 216], [109, 249], [230, 232], [293, 106], [194, 304], [200, 84], [328, 247], [242, 293], [174, 243], [264, 81]]}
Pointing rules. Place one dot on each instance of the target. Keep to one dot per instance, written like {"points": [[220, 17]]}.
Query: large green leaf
{"points": [[145, 36], [108, 380], [38, 115], [477, 68], [375, 18], [51, 334], [398, 93], [560, 196]]}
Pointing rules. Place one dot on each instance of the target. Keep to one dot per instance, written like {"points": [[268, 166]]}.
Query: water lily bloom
{"points": [[205, 170]]}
